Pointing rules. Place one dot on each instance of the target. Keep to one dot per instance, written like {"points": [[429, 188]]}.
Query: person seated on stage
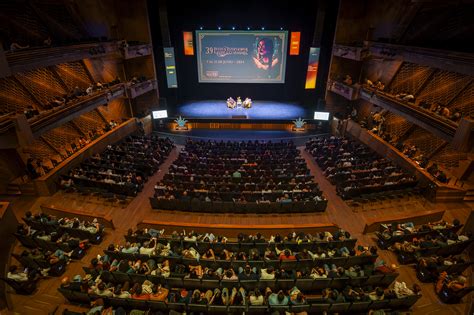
{"points": [[239, 101], [230, 102], [247, 103]]}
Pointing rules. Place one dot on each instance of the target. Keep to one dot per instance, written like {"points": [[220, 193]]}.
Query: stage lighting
{"points": [[219, 28], [281, 28], [201, 28], [233, 28], [248, 28], [263, 28]]}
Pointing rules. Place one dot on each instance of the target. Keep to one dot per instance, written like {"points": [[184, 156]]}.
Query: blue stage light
{"points": [[201, 28], [233, 28], [248, 28], [219, 28], [281, 28], [263, 28]]}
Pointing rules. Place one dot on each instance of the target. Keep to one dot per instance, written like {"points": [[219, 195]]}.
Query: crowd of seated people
{"points": [[446, 242], [292, 237], [241, 172], [100, 281], [452, 288], [124, 167], [91, 230], [430, 268], [355, 169], [433, 108], [50, 244], [391, 233], [37, 167], [375, 123]]}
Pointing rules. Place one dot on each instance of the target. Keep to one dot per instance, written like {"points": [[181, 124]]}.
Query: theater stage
{"points": [[261, 110]]}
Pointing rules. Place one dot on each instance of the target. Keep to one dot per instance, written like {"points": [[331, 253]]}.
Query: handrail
{"points": [[230, 229], [446, 129], [106, 220], [68, 110], [30, 58], [373, 225]]}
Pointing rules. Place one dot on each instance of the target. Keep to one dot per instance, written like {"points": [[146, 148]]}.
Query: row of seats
{"points": [[296, 264], [312, 307], [306, 285], [240, 246], [235, 207]]}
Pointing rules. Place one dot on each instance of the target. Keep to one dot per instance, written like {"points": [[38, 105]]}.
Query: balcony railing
{"points": [[136, 51], [350, 92], [350, 52], [445, 60], [66, 113], [437, 125], [141, 88], [28, 59]]}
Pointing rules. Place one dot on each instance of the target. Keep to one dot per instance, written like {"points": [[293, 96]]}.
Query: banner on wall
{"points": [[295, 43], [170, 65], [188, 43], [312, 71]]}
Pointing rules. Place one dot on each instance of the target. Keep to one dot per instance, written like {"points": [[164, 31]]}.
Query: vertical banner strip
{"points": [[188, 43], [312, 71], [170, 65], [295, 43]]}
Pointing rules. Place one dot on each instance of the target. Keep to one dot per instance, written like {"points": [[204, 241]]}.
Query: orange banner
{"points": [[295, 43], [188, 43], [312, 71]]}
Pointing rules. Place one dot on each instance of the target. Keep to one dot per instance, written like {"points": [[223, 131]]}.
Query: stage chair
{"points": [[339, 307], [305, 285], [319, 308], [157, 306], [217, 309], [197, 308], [359, 307], [257, 309], [376, 305]]}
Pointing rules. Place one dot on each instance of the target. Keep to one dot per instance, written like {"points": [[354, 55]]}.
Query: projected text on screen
{"points": [[241, 56]]}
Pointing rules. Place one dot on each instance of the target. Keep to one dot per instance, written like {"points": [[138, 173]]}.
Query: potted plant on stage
{"points": [[181, 123], [298, 125]]}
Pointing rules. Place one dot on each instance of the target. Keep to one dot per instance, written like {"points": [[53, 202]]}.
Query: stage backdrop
{"points": [[241, 56]]}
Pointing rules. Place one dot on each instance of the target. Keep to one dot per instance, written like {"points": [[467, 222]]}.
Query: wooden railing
{"points": [[47, 184], [444, 128], [137, 51], [350, 92], [374, 224], [66, 113], [141, 88], [28, 59], [231, 230], [106, 220]]}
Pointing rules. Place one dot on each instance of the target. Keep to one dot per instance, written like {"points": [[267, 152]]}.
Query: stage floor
{"points": [[265, 110]]}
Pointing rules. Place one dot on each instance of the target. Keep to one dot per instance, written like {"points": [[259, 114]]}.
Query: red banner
{"points": [[295, 43], [188, 43]]}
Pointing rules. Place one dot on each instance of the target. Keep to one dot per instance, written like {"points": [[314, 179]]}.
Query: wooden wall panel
{"points": [[104, 69]]}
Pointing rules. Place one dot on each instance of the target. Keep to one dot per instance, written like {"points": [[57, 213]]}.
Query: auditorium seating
{"points": [[122, 168], [239, 177], [311, 287], [393, 233], [355, 169]]}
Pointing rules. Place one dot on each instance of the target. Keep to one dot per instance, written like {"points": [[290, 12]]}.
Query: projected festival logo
{"points": [[241, 57], [226, 51]]}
